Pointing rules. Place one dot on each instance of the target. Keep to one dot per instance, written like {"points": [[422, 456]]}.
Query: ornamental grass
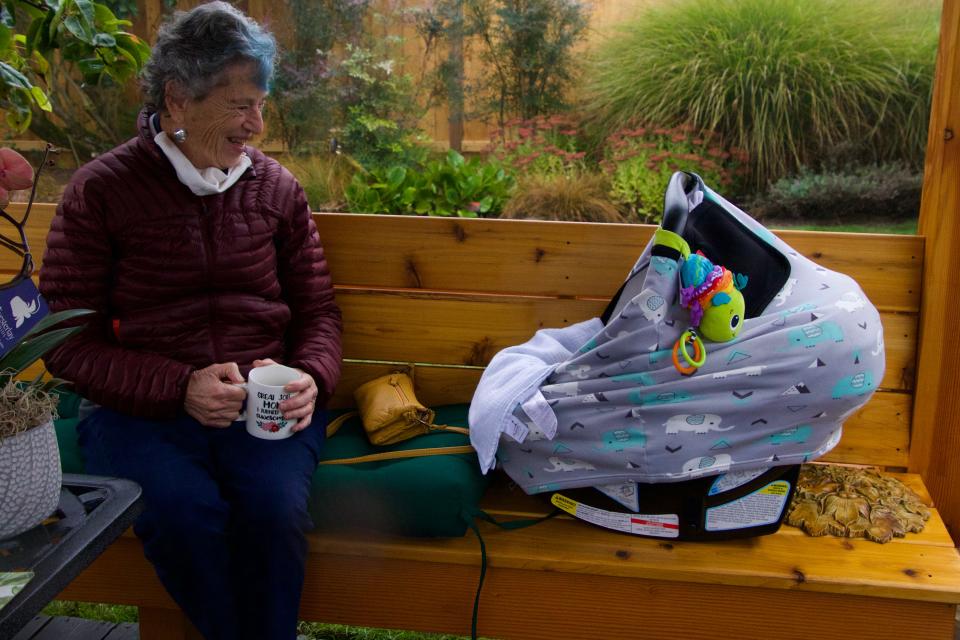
{"points": [[786, 80], [574, 198]]}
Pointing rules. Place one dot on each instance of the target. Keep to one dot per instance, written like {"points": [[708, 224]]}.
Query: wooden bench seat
{"points": [[448, 294]]}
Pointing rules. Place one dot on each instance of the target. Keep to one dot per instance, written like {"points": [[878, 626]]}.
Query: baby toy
{"points": [[708, 290], [712, 294]]}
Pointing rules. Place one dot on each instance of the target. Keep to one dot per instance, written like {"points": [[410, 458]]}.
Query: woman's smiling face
{"points": [[221, 123]]}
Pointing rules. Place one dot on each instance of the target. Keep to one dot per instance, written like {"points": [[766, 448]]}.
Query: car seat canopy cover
{"points": [[616, 408]]}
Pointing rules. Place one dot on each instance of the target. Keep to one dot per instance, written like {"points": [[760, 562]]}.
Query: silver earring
{"points": [[180, 135]]}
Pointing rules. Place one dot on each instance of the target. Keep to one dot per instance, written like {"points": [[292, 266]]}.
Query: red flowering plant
{"points": [[542, 146], [640, 160]]}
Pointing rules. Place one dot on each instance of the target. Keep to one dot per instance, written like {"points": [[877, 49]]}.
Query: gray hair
{"points": [[195, 47]]}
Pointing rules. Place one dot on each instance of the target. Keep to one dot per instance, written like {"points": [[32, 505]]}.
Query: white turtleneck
{"points": [[203, 183]]}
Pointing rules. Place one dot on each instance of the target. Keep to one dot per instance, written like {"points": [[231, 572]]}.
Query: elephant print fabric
{"points": [[615, 409]]}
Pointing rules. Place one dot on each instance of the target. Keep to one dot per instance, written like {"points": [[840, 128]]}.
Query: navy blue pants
{"points": [[225, 515]]}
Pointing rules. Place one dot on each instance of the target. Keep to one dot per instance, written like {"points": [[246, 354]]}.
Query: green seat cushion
{"points": [[422, 496], [425, 496]]}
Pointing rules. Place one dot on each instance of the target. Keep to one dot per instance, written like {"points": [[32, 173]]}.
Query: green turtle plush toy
{"points": [[709, 291]]}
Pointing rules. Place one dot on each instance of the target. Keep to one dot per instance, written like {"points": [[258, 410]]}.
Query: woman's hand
{"points": [[213, 397], [301, 404]]}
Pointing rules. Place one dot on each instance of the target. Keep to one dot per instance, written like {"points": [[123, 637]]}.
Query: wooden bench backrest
{"points": [[448, 294]]}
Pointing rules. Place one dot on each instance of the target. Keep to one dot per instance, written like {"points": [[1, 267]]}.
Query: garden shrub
{"points": [[640, 160], [324, 179], [543, 145], [887, 192], [380, 127], [303, 104], [339, 84], [526, 47], [784, 79], [451, 186], [576, 198]]}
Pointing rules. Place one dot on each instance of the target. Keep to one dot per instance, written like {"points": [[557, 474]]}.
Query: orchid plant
{"points": [[25, 403]]}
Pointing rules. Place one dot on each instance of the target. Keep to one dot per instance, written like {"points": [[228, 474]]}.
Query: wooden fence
{"points": [[470, 135]]}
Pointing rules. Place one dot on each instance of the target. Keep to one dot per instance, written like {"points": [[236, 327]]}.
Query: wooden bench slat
{"points": [[833, 565], [518, 603], [465, 329], [519, 256], [567, 258]]}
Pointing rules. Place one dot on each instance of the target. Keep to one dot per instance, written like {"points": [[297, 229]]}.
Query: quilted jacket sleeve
{"points": [[76, 273], [313, 336]]}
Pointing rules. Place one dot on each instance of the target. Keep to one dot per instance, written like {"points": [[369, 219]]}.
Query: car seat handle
{"points": [[675, 204]]}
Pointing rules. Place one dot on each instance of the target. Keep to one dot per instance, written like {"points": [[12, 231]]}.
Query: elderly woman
{"points": [[201, 259]]}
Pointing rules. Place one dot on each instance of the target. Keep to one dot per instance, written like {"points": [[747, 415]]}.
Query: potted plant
{"points": [[30, 474]]}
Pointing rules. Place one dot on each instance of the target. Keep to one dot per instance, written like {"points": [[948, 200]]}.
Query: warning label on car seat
{"points": [[763, 506], [661, 525]]}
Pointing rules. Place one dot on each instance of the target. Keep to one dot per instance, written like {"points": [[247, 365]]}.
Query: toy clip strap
{"points": [[689, 337]]}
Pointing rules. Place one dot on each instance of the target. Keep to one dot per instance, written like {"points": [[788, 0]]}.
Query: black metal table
{"points": [[92, 513]]}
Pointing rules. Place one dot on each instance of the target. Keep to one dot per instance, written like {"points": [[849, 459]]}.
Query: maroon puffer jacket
{"points": [[181, 281]]}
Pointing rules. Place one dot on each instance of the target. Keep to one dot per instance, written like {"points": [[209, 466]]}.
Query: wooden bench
{"points": [[448, 294]]}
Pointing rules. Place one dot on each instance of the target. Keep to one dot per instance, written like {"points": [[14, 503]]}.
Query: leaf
{"points": [[18, 119], [90, 67], [56, 318], [104, 17], [31, 11], [47, 36], [486, 204], [13, 78], [32, 349], [106, 40], [134, 46], [53, 383], [40, 65], [79, 28], [41, 99], [396, 176], [454, 159]]}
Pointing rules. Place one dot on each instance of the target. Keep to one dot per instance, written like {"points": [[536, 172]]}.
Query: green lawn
{"points": [[900, 227], [310, 630]]}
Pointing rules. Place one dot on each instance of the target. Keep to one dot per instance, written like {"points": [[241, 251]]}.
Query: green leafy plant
{"points": [[83, 34], [786, 80], [866, 193], [575, 198], [452, 186], [640, 160], [543, 145], [25, 404], [526, 47], [382, 111], [527, 50], [308, 85], [339, 84]]}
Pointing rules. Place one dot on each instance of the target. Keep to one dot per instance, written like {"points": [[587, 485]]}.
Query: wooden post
{"points": [[455, 94], [935, 446]]}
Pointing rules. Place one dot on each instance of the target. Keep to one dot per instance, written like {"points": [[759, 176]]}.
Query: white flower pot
{"points": [[30, 479]]}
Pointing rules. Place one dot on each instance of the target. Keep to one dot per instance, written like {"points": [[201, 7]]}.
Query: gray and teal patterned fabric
{"points": [[617, 410]]}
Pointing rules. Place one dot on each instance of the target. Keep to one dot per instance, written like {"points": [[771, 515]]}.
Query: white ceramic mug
{"points": [[265, 392]]}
